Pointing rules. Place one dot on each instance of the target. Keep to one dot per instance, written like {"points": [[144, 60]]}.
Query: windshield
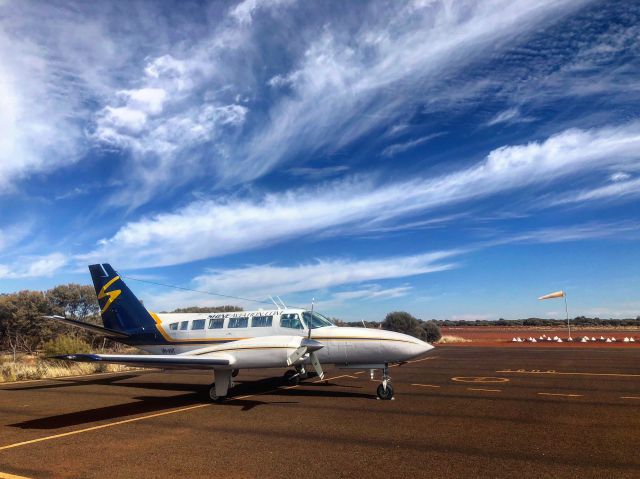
{"points": [[315, 319]]}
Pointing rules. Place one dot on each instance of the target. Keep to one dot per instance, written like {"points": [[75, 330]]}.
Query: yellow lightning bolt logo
{"points": [[112, 294]]}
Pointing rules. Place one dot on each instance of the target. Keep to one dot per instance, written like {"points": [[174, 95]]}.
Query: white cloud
{"points": [[619, 176], [346, 86], [244, 11], [55, 62], [614, 191], [397, 148], [561, 234], [13, 234], [263, 280], [511, 115], [33, 266], [211, 228]]}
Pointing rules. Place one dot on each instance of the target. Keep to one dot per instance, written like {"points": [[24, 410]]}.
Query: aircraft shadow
{"points": [[142, 405], [64, 383], [198, 395]]}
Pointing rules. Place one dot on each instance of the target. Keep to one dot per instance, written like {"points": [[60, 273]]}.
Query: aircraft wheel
{"points": [[292, 376], [385, 394], [213, 396]]}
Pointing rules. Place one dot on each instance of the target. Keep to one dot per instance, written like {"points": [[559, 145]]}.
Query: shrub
{"points": [[401, 322], [65, 345], [431, 331]]}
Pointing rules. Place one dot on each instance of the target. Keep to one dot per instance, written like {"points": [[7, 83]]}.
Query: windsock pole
{"points": [[566, 310]]}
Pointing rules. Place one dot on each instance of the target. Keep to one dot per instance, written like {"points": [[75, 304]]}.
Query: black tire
{"points": [[385, 394], [234, 373], [213, 396], [291, 376]]}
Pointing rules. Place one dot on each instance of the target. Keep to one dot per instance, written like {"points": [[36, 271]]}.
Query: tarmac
{"points": [[458, 412]]}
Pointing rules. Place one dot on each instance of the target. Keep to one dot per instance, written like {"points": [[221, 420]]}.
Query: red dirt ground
{"points": [[502, 336]]}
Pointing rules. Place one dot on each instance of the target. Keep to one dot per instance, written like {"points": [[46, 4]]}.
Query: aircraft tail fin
{"points": [[119, 307]]}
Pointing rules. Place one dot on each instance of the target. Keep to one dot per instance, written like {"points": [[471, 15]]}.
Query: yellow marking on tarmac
{"points": [[6, 475], [148, 416], [629, 397], [479, 379], [535, 371], [487, 390], [423, 359], [560, 394], [102, 426], [426, 385]]}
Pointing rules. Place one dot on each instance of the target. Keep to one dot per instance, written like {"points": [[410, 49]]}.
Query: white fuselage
{"points": [[254, 339]]}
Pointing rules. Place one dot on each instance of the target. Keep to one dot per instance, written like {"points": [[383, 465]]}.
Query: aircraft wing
{"points": [[152, 360]]}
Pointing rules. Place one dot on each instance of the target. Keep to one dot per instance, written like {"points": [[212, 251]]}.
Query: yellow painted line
{"points": [[102, 426], [629, 397], [426, 385], [149, 416], [423, 359], [6, 475], [563, 395], [26, 381], [569, 374], [488, 390]]}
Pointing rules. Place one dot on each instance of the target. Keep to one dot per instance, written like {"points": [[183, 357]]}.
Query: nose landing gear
{"points": [[385, 390]]}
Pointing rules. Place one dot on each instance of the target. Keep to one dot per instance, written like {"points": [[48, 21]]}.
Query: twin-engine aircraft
{"points": [[228, 342]]}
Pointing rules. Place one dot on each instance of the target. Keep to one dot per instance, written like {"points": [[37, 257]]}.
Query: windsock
{"points": [[557, 294]]}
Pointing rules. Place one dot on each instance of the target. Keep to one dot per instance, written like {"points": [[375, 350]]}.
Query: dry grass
{"points": [[29, 367], [452, 339]]}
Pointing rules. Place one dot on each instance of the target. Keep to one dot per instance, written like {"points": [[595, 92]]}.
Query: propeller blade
{"points": [[316, 365], [297, 354]]}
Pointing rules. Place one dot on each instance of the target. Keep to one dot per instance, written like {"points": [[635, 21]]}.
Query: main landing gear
{"points": [[223, 382], [293, 376], [385, 390]]}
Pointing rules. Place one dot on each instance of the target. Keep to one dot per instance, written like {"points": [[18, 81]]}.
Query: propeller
{"points": [[308, 346]]}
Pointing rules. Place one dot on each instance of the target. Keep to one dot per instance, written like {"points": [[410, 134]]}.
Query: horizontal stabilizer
{"points": [[90, 327], [149, 360]]}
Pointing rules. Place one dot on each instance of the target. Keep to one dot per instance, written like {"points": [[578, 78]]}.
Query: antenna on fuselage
{"points": [[280, 299], [274, 302]]}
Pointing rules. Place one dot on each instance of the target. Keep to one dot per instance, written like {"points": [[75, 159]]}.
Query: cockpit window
{"points": [[173, 326], [184, 325], [315, 320], [290, 320]]}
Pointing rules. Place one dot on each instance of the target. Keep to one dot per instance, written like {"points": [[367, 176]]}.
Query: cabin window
{"points": [[197, 324], [184, 325], [217, 323], [290, 320], [173, 326], [261, 321], [238, 322]]}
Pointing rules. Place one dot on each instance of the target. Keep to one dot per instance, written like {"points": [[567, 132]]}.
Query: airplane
{"points": [[227, 342]]}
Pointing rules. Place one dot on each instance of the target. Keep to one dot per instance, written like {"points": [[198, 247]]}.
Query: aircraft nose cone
{"points": [[421, 347]]}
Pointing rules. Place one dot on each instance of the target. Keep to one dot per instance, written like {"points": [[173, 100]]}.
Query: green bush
{"points": [[431, 331], [65, 345]]}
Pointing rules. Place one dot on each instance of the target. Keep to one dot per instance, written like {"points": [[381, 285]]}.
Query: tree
{"points": [[402, 322], [22, 326], [431, 331], [208, 309], [75, 301]]}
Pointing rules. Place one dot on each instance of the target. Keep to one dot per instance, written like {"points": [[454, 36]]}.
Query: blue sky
{"points": [[455, 159]]}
